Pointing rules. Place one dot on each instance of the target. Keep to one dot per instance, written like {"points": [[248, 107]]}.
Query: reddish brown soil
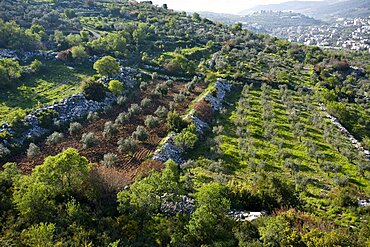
{"points": [[129, 166]]}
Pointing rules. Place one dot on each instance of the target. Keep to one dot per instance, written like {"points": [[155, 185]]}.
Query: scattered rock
{"points": [[245, 216], [222, 87], [345, 132], [168, 150], [172, 205], [364, 203], [70, 109]]}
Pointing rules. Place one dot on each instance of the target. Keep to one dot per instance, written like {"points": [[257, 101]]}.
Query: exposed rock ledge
{"points": [[345, 132], [168, 150]]}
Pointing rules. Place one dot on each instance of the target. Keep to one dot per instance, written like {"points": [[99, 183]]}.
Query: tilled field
{"points": [[128, 165]]}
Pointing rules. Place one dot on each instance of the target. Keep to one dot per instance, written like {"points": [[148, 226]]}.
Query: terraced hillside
{"points": [[245, 154], [268, 133]]}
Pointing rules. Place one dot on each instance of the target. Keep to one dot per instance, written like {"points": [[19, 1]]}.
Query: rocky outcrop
{"points": [[245, 216], [200, 125], [345, 132], [168, 150], [222, 87], [16, 55], [180, 204], [69, 109], [364, 203]]}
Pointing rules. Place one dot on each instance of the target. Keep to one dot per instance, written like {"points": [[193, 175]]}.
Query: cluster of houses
{"points": [[346, 33]]}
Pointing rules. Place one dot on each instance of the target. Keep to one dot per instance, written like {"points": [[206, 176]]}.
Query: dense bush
{"points": [[89, 140], [141, 134], [187, 138], [92, 89], [54, 139], [12, 36], [110, 160], [45, 118], [110, 129], [35, 66], [175, 122], [79, 53], [4, 151], [128, 145], [33, 151], [115, 87], [107, 66], [75, 129], [151, 122]]}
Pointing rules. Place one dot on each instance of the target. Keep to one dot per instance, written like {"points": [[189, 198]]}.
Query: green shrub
{"points": [[162, 89], [134, 109], [92, 116], [121, 100], [115, 87], [33, 151], [110, 129], [75, 129], [45, 118], [54, 139], [92, 89], [145, 102], [4, 151], [175, 122], [122, 118], [161, 111], [141, 134], [110, 160], [143, 86], [89, 140], [128, 145], [178, 98], [151, 122]]}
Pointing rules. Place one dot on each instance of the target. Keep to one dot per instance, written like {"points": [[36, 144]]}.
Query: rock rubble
{"points": [[245, 216], [69, 109], [168, 150], [345, 132], [180, 204]]}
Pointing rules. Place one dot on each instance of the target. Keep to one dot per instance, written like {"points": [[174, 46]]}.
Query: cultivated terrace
{"points": [[129, 124]]}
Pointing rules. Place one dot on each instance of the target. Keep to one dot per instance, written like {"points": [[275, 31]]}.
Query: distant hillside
{"points": [[265, 21], [320, 9]]}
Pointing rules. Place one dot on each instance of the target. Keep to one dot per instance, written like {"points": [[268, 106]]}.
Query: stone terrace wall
{"points": [[345, 132], [168, 150], [69, 109]]}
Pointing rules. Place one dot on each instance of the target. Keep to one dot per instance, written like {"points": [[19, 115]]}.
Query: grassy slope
{"points": [[318, 194], [54, 82]]}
